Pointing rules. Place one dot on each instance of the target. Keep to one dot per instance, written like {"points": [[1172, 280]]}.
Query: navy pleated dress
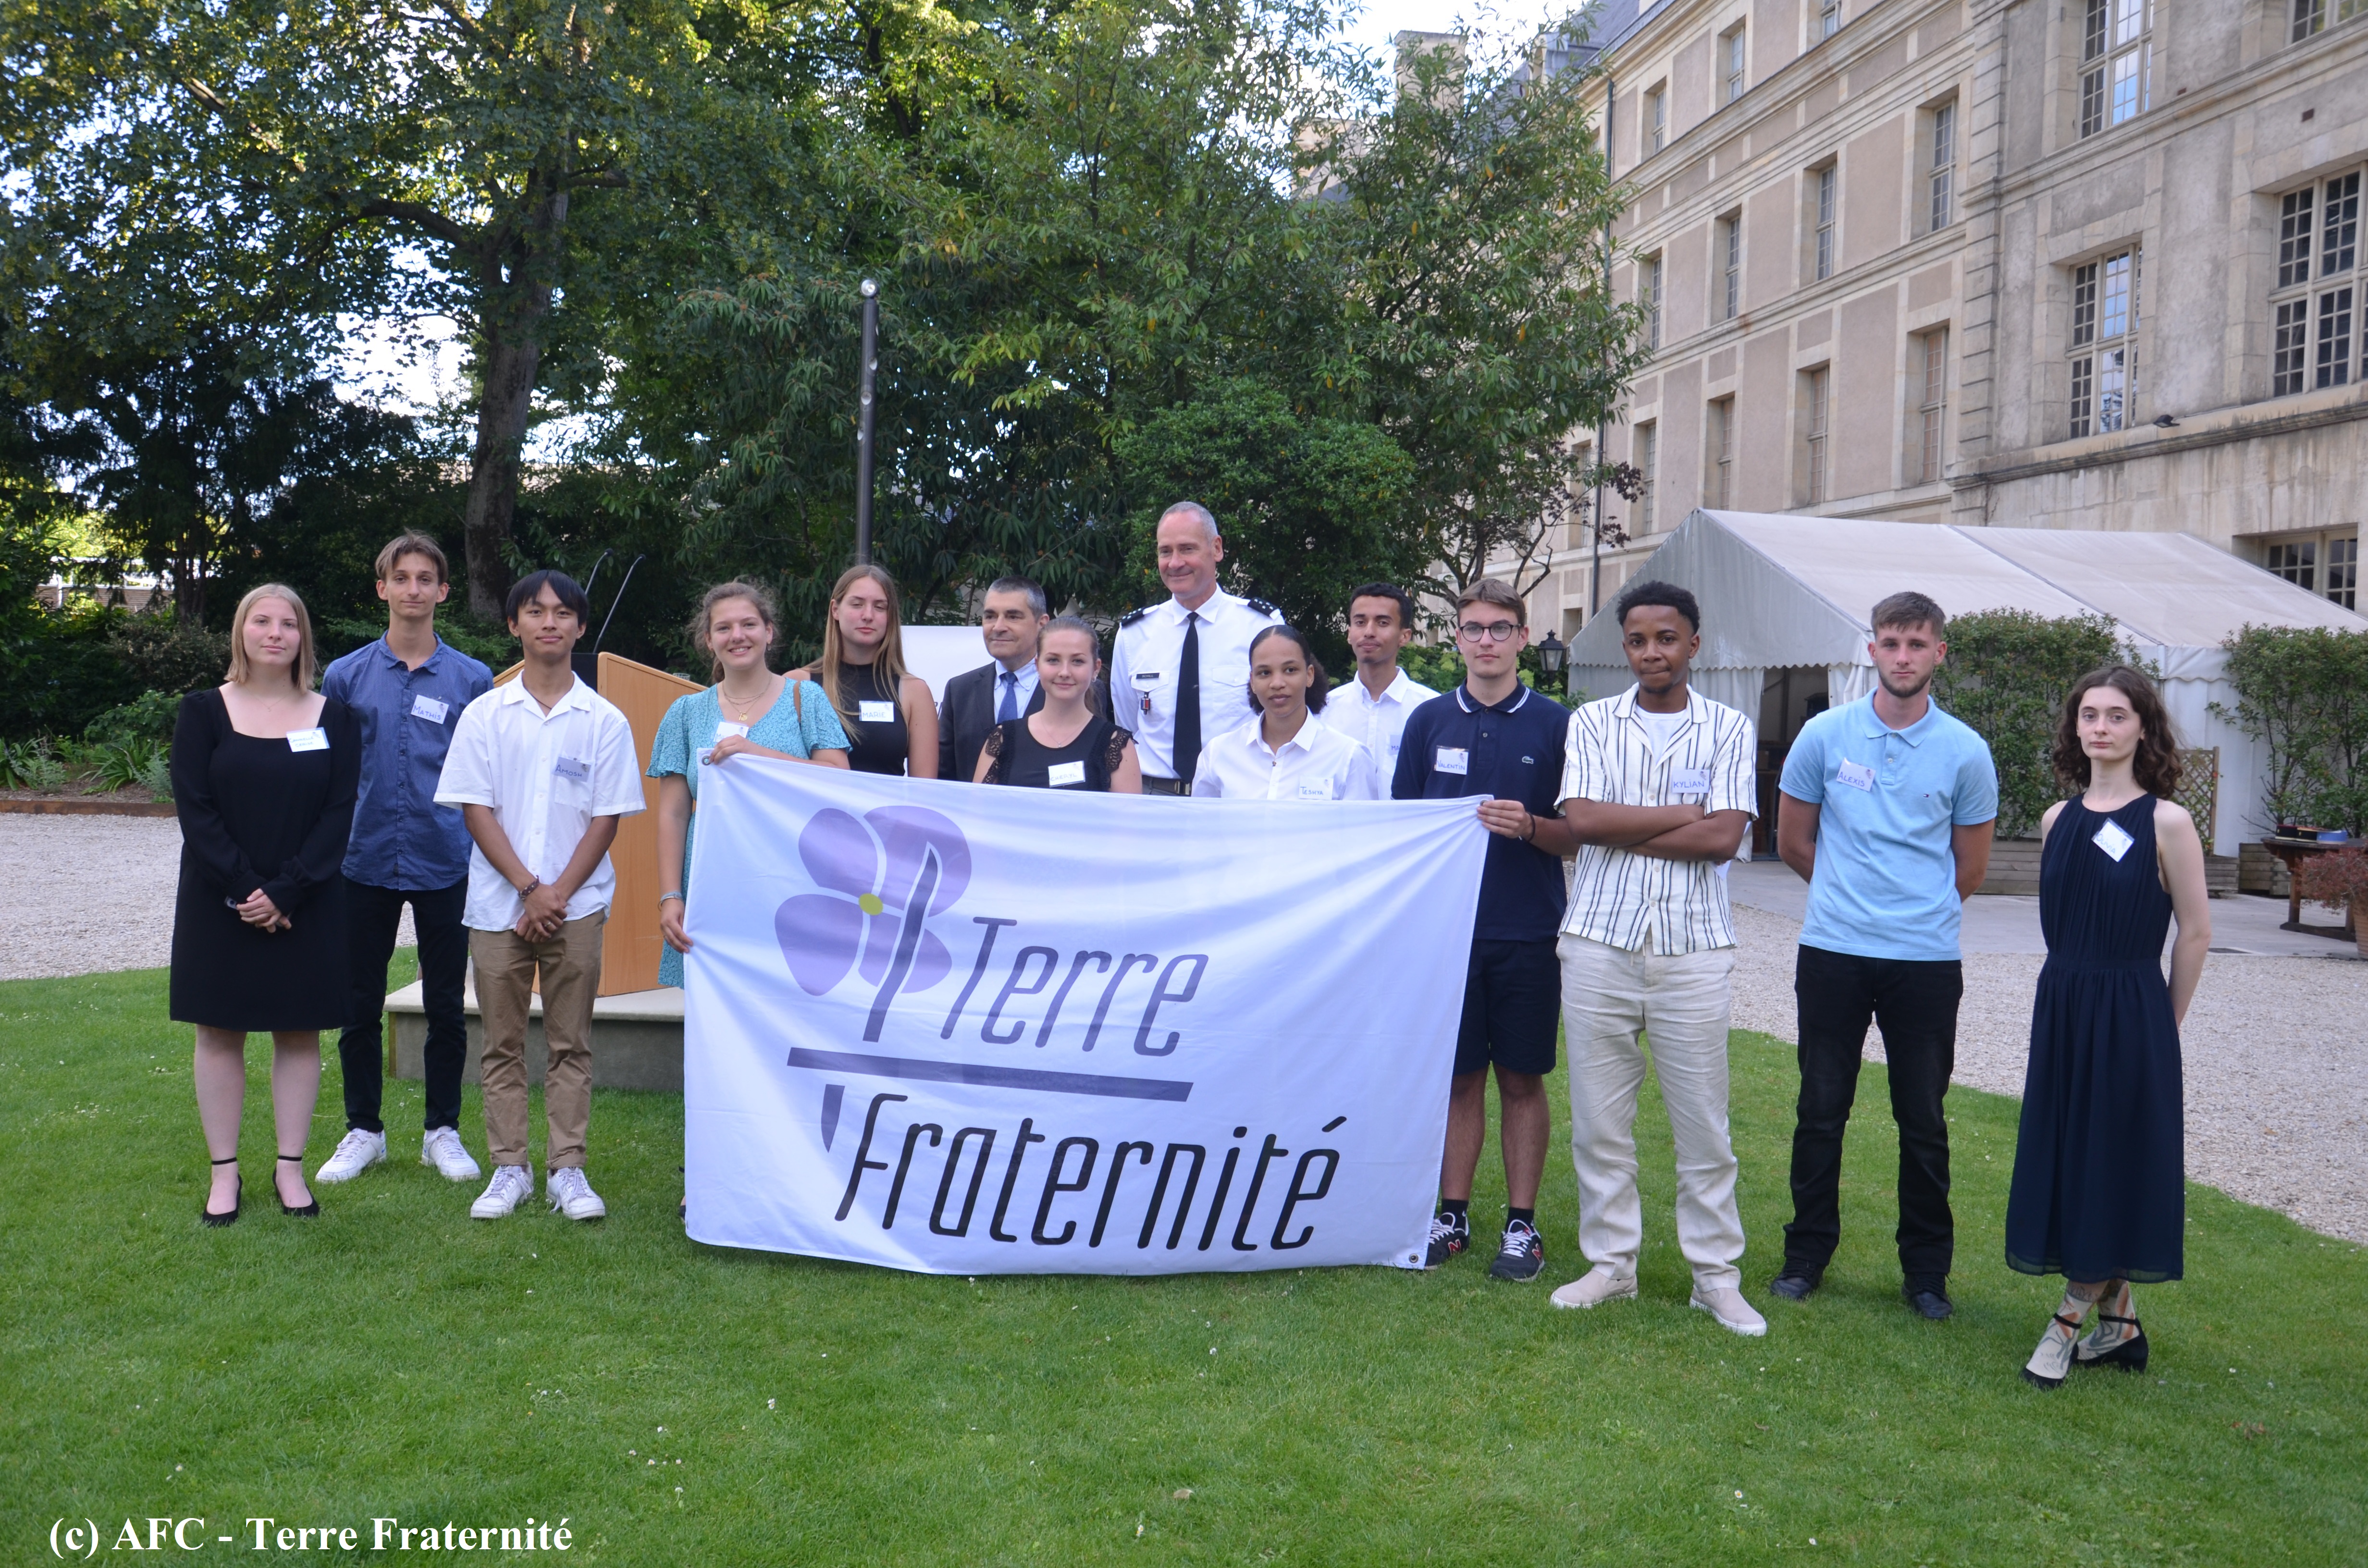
{"points": [[2100, 1170]]}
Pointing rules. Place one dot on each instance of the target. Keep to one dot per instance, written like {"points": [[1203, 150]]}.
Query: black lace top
{"points": [[1016, 756]]}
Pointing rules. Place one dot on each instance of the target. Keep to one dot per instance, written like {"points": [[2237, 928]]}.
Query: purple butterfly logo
{"points": [[885, 873]]}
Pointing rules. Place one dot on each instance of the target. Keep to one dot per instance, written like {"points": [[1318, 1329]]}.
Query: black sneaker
{"points": [[1450, 1233], [1521, 1254]]}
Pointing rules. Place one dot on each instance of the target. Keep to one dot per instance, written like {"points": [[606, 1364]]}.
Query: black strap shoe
{"points": [[2129, 1354], [237, 1200], [311, 1210]]}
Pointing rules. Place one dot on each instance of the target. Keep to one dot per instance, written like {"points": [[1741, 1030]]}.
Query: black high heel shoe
{"points": [[311, 1210], [2130, 1355], [238, 1196]]}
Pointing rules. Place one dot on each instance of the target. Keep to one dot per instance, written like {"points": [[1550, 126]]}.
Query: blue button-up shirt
{"points": [[402, 838]]}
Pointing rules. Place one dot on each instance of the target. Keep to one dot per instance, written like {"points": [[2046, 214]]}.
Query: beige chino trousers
{"points": [[1680, 1002], [505, 964]]}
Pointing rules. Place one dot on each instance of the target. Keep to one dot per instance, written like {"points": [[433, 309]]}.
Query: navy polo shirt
{"points": [[1511, 751]]}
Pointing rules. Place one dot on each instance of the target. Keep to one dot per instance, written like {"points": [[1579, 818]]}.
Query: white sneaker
{"points": [[1734, 1313], [511, 1185], [356, 1152], [572, 1195], [442, 1148], [1595, 1286]]}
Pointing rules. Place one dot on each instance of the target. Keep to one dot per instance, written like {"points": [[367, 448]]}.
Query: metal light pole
{"points": [[864, 402], [1595, 522]]}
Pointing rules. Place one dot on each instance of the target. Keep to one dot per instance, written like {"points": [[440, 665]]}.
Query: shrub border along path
{"points": [[682, 1405]]}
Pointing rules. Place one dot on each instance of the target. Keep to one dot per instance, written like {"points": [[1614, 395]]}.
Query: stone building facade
{"points": [[2092, 263]]}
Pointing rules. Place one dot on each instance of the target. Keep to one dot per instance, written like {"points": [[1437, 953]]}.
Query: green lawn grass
{"points": [[394, 1359]]}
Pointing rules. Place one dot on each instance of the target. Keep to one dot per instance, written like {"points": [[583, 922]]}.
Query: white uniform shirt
{"points": [[1630, 901], [546, 775], [1317, 763], [1377, 723], [1143, 671]]}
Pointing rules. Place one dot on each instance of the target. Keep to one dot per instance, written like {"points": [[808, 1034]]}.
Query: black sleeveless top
{"points": [[878, 746], [1016, 756]]}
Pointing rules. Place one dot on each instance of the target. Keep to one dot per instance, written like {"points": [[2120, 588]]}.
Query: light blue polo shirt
{"points": [[1887, 879]]}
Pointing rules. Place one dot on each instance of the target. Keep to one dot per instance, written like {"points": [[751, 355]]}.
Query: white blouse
{"points": [[1317, 763]]}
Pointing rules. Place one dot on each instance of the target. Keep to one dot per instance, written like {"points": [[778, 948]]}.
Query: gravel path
{"points": [[2275, 1051]]}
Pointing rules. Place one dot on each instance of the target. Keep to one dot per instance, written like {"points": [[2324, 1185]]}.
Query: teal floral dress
{"points": [[800, 724]]}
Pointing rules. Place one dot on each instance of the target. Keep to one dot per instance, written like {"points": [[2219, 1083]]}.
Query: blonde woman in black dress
{"points": [[1065, 745], [2099, 1192], [890, 718], [264, 774]]}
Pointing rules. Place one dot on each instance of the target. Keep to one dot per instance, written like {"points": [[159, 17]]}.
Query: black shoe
{"points": [[1450, 1233], [1795, 1282], [238, 1198], [311, 1210], [1521, 1255], [1933, 1304], [2130, 1355]]}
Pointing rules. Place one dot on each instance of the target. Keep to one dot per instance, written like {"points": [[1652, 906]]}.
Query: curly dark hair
{"points": [[2156, 763]]}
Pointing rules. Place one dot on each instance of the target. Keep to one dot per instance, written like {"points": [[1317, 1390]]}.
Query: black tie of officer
{"points": [[1187, 704]]}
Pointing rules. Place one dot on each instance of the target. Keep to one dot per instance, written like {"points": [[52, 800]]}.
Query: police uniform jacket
{"points": [[1143, 671]]}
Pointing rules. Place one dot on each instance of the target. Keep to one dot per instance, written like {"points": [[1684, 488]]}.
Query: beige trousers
{"points": [[505, 964], [1680, 1002]]}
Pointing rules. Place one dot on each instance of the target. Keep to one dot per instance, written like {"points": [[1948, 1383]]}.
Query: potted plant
{"points": [[2339, 877]]}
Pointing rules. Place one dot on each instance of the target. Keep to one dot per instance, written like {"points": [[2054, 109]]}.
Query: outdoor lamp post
{"points": [[1551, 653], [871, 292]]}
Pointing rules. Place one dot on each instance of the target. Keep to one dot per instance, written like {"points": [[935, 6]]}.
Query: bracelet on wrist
{"points": [[676, 895], [528, 891]]}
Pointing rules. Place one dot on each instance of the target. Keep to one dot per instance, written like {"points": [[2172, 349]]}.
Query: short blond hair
{"points": [[1492, 591], [307, 667]]}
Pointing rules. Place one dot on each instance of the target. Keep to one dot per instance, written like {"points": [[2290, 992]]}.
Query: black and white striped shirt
{"points": [[1625, 900]]}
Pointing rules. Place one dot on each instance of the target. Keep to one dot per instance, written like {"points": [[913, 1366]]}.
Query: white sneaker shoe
{"points": [[442, 1148], [1595, 1286], [572, 1195], [356, 1152], [511, 1185], [1734, 1313]]}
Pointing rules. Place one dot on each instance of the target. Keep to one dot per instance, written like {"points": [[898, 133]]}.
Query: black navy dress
{"points": [[1018, 757], [878, 746], [2100, 1169], [258, 813]]}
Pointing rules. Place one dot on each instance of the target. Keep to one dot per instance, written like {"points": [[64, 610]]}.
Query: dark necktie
{"points": [[1188, 701], [1010, 708]]}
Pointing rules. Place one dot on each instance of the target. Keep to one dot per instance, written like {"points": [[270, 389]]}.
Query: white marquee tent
{"points": [[1786, 594]]}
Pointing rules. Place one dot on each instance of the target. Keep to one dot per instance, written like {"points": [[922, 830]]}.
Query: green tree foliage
{"points": [[2008, 675], [2303, 691]]}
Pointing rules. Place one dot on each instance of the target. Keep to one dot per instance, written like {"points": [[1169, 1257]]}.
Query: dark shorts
{"points": [[1512, 1004]]}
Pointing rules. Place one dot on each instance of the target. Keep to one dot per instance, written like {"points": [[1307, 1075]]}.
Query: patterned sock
{"points": [[2103, 1336], [2052, 1359]]}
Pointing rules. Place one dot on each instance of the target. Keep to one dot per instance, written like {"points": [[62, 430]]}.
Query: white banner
{"points": [[967, 1029]]}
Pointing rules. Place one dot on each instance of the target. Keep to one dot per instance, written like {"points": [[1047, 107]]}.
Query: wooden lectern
{"points": [[630, 945]]}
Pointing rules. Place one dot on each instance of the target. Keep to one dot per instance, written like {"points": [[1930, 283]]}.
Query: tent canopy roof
{"points": [[1780, 590]]}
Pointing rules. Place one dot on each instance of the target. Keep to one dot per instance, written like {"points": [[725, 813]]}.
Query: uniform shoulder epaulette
{"points": [[1262, 606], [1131, 617]]}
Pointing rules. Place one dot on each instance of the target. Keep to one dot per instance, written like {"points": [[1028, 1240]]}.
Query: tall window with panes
{"points": [[1726, 290], [1648, 294], [1817, 403], [2313, 340], [1941, 175], [2117, 63], [1824, 189], [1731, 58], [2325, 564], [2104, 331], [2310, 15], [1648, 472], [1720, 490], [1932, 409], [1829, 18], [1657, 119]]}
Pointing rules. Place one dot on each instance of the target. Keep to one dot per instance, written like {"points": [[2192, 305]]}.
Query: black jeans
{"points": [[373, 916], [1916, 1003]]}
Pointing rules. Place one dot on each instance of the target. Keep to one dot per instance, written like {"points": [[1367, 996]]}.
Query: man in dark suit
{"points": [[1010, 617]]}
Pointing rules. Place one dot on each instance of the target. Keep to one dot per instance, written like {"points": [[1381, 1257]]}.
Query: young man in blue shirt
{"points": [[1886, 810], [407, 689], [1494, 738]]}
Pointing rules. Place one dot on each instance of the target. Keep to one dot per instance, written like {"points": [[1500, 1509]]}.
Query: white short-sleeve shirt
{"points": [[546, 775], [1377, 723], [1317, 763], [1147, 666]]}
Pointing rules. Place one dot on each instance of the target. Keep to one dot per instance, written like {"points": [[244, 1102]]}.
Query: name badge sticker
{"points": [[733, 727], [314, 739], [1066, 775], [2113, 840], [573, 768], [1690, 781], [1452, 759], [876, 713], [1315, 791], [427, 708], [1857, 775]]}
